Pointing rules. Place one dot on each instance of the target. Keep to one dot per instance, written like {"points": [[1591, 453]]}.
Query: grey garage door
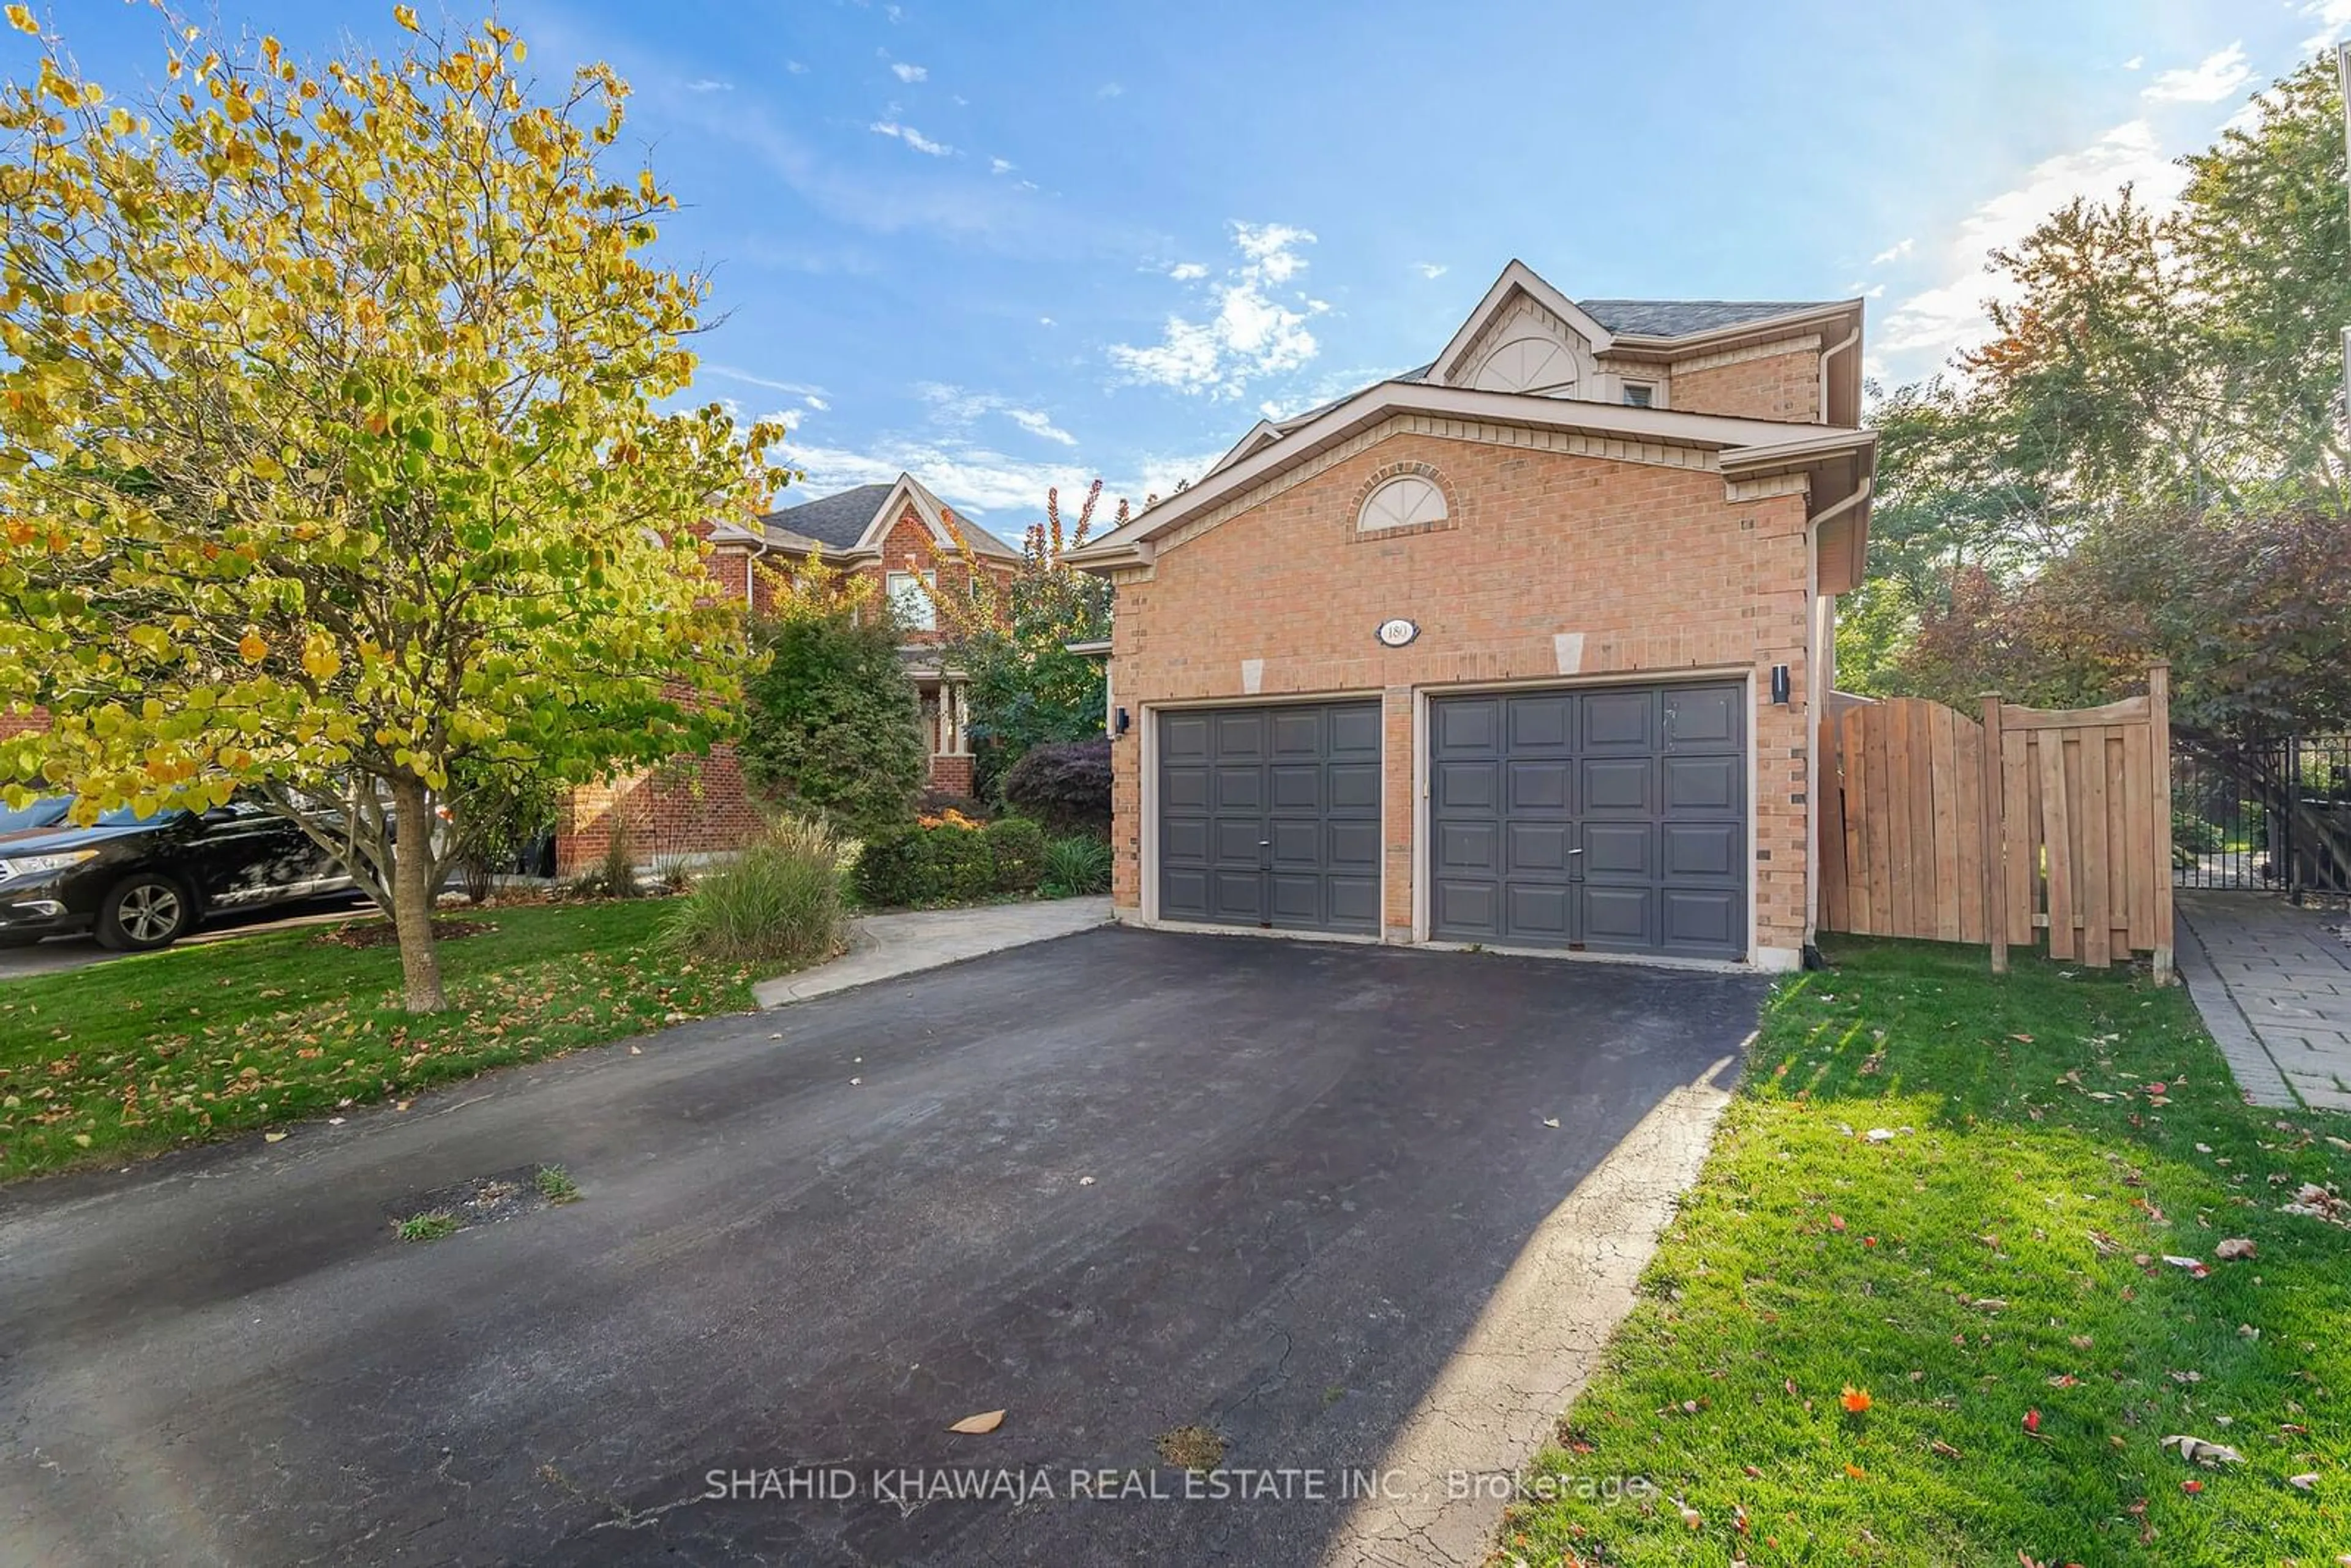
{"points": [[1270, 815], [1609, 819]]}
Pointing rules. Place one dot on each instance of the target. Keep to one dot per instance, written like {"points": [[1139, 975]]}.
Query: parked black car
{"points": [[146, 882]]}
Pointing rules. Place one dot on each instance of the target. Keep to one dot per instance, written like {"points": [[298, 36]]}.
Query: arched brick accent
{"points": [[1454, 508]]}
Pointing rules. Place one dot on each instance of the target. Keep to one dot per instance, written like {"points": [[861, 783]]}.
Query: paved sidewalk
{"points": [[2275, 986], [884, 947]]}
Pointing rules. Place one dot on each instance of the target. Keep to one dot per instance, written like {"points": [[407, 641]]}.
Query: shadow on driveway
{"points": [[1311, 1166]]}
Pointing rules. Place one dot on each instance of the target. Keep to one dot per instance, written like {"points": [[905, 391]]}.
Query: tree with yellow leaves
{"points": [[331, 448]]}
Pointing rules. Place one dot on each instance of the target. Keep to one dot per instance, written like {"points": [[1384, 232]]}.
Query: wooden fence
{"points": [[2032, 823]]}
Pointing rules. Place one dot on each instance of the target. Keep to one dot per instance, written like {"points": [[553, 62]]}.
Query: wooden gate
{"points": [[2033, 820]]}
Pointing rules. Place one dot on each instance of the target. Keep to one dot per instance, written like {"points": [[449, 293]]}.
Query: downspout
{"points": [[1815, 698], [1847, 341]]}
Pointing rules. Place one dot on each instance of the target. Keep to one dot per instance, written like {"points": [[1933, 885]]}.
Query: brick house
{"points": [[899, 535], [1518, 650]]}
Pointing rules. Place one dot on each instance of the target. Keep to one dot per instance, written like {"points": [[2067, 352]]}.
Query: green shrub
{"points": [[832, 726], [1017, 846], [1075, 866], [954, 860], [778, 901]]}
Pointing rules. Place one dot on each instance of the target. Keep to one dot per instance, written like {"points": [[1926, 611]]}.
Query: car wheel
{"points": [[144, 912]]}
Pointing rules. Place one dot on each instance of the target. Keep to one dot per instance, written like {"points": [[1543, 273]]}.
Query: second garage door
{"points": [[1610, 819], [1270, 815]]}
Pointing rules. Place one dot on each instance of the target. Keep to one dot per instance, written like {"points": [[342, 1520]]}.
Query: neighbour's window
{"points": [[1638, 393], [909, 598], [1407, 501]]}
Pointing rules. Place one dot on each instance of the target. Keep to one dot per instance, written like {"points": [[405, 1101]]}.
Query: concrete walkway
{"points": [[884, 947], [2274, 984]]}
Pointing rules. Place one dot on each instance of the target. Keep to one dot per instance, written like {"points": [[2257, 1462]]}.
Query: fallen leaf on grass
{"points": [[986, 1421], [2201, 1450], [2033, 1422], [1854, 1400], [1941, 1449], [2234, 1248], [2193, 1265], [2304, 1481]]}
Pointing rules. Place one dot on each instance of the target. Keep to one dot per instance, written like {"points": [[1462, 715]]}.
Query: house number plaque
{"points": [[1396, 634]]}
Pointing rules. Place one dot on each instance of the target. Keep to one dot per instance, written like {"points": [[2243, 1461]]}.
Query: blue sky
{"points": [[1016, 245]]}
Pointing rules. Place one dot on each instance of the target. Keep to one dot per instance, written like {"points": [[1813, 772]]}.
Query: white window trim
{"points": [[914, 607]]}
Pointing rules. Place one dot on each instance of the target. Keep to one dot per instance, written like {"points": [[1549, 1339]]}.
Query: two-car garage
{"points": [[1606, 818]]}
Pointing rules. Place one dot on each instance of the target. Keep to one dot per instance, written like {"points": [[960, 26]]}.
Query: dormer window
{"points": [[1407, 501]]}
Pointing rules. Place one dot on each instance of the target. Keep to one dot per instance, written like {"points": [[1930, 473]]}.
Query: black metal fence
{"points": [[2271, 816]]}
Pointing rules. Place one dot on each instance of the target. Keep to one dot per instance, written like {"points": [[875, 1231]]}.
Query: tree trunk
{"points": [[412, 896]]}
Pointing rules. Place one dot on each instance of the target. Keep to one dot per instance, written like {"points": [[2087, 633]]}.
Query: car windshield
{"points": [[46, 813]]}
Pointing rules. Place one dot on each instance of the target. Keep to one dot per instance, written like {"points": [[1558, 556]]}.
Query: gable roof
{"points": [[1685, 317], [856, 521], [837, 521], [1744, 447]]}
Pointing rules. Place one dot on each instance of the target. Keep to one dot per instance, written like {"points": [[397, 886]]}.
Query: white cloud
{"points": [[817, 403], [709, 84], [795, 66], [1109, 89], [1039, 424], [1894, 252], [1250, 333], [1187, 271], [1044, 321], [957, 408], [2209, 80], [814, 395], [2133, 63], [2334, 19], [1432, 270], [912, 138], [1001, 165], [1930, 325], [978, 480], [909, 72]]}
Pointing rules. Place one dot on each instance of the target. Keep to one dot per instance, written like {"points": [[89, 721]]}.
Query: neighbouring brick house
{"points": [[899, 535], [1521, 650]]}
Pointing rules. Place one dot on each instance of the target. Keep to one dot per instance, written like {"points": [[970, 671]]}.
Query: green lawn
{"points": [[2057, 1133], [143, 1053]]}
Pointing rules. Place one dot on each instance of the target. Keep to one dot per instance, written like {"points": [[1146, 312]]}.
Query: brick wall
{"points": [[1771, 380], [1650, 565], [23, 722], [692, 806]]}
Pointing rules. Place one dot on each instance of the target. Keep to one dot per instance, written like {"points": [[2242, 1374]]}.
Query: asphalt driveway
{"points": [[1116, 1185]]}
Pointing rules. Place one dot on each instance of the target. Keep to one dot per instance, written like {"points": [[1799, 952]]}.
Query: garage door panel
{"points": [[1619, 721], [1240, 736], [1470, 724], [1298, 735], [1469, 847], [1184, 738], [1542, 723], [1619, 917], [1617, 784], [1618, 849], [1184, 788], [1468, 908], [1184, 842], [1703, 716], [1183, 893], [1541, 848], [1296, 787], [1354, 786], [1649, 783], [1270, 816], [1538, 786], [1353, 730], [1354, 903], [1701, 784], [1237, 841], [1292, 844], [1237, 789], [1703, 850], [1467, 786], [1353, 846]]}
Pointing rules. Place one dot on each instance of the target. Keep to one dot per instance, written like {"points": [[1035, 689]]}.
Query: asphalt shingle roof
{"points": [[1680, 318], [834, 521]]}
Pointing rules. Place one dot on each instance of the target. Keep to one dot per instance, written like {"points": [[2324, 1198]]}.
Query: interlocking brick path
{"points": [[2273, 983]]}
